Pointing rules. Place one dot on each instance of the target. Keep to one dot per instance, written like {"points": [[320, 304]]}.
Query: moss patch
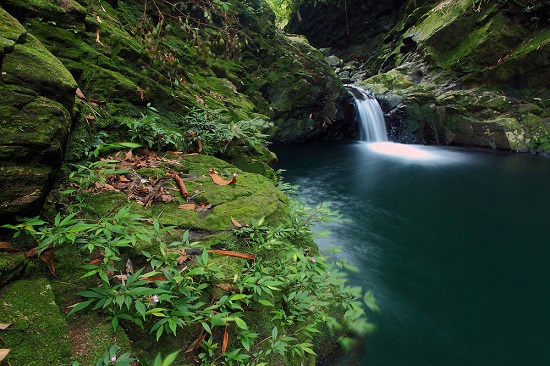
{"points": [[30, 304]]}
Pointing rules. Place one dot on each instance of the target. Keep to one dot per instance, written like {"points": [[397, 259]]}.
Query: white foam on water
{"points": [[416, 153]]}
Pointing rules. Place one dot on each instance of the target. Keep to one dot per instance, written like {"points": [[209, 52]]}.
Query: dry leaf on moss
{"points": [[6, 247], [203, 207], [4, 353], [47, 257], [188, 206], [220, 181], [235, 222]]}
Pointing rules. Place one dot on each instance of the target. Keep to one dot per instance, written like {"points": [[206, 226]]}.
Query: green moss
{"points": [[30, 305], [42, 122], [11, 32], [33, 66], [392, 80], [152, 172], [11, 267]]}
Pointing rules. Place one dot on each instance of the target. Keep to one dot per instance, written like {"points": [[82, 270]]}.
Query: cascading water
{"points": [[373, 126], [373, 131]]}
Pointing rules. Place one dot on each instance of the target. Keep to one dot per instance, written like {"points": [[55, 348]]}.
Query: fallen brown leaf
{"points": [[220, 181], [97, 36], [47, 257], [139, 92], [129, 266], [232, 254], [181, 185], [227, 286], [4, 353], [197, 343], [32, 253], [235, 222], [188, 206], [203, 207], [6, 247], [225, 340], [79, 94]]}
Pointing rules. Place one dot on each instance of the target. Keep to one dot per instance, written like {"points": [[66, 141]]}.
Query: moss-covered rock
{"points": [[252, 197], [12, 266], [42, 337], [446, 72], [36, 98]]}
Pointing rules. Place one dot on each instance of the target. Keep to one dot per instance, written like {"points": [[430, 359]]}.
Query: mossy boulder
{"points": [[252, 197], [29, 304], [36, 100]]}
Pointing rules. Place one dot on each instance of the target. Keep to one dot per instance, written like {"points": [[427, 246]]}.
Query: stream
{"points": [[452, 241]]}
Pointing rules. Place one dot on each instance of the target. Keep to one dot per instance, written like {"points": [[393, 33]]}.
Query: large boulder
{"points": [[36, 99]]}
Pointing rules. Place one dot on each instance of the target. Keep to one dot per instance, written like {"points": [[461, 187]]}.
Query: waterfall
{"points": [[371, 118], [372, 130]]}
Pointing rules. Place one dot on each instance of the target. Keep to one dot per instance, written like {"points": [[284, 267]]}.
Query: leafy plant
{"points": [[301, 290], [147, 131], [216, 131]]}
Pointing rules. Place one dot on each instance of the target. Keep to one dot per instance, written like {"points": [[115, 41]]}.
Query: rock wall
{"points": [[466, 72], [36, 103]]}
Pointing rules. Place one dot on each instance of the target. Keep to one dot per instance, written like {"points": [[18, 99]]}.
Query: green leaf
{"points": [[141, 309], [114, 322], [241, 324], [274, 333], [131, 145], [88, 294], [170, 359], [237, 297], [370, 301], [79, 306], [206, 327]]}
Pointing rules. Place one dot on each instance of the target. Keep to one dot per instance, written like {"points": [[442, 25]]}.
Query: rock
{"points": [[344, 75], [334, 61], [37, 98], [326, 51], [30, 304], [434, 59], [12, 266]]}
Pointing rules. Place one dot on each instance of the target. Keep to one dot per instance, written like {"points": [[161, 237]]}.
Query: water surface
{"points": [[453, 242]]}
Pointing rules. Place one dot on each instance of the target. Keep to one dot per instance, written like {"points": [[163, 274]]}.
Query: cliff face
{"points": [[141, 71], [465, 72], [36, 103]]}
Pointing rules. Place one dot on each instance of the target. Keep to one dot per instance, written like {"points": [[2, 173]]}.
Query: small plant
{"points": [[216, 131], [147, 131]]}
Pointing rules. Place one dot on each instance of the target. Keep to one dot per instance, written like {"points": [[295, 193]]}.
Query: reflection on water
{"points": [[415, 153], [453, 242]]}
